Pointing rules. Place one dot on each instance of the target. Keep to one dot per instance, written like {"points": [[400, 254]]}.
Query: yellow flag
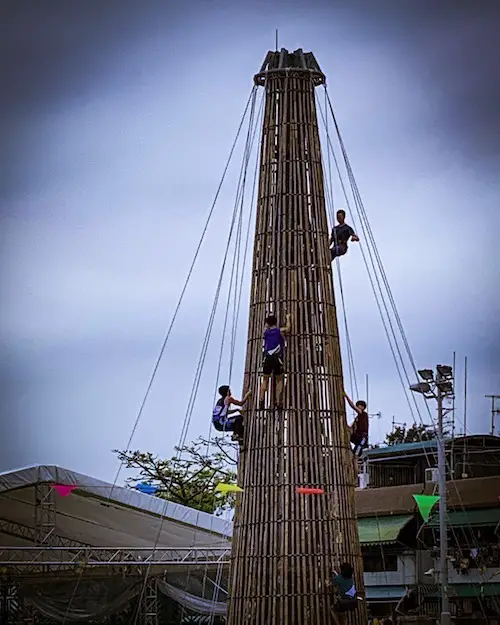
{"points": [[228, 488]]}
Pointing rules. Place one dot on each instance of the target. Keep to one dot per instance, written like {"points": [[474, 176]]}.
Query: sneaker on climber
{"points": [[341, 235], [274, 353], [359, 428], [343, 583], [226, 420]]}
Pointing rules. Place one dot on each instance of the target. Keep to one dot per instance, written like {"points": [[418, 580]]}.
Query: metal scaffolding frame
{"points": [[29, 534], [40, 550], [44, 559], [149, 603], [45, 514]]}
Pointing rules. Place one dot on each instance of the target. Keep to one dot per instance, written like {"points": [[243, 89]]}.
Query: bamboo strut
{"points": [[285, 545]]}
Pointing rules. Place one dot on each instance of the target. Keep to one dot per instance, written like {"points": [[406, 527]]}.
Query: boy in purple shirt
{"points": [[274, 352]]}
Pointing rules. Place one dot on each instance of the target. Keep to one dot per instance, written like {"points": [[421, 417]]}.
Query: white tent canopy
{"points": [[102, 516]]}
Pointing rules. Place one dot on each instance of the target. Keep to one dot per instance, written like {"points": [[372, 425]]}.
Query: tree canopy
{"points": [[413, 434], [190, 476]]}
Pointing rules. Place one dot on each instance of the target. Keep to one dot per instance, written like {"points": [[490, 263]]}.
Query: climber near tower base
{"points": [[343, 583], [221, 419], [274, 353], [359, 428], [341, 235]]}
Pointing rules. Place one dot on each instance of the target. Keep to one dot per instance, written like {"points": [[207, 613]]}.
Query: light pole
{"points": [[439, 388]]}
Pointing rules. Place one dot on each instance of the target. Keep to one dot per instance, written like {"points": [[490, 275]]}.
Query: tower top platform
{"points": [[285, 62]]}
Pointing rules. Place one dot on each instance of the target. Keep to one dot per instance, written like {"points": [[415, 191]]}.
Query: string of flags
{"points": [[64, 490]]}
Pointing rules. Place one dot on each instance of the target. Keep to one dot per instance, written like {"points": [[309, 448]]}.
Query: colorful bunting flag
{"points": [[228, 488], [147, 489], [425, 503], [309, 491], [63, 489]]}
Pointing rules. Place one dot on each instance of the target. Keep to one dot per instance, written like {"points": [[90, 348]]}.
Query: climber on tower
{"points": [[274, 352], [221, 419], [359, 428], [345, 590], [341, 235]]}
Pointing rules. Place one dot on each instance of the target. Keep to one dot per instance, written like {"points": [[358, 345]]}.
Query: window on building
{"points": [[379, 562]]}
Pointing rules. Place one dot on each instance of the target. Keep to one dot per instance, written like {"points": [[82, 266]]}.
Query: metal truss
{"points": [[149, 603], [29, 534], [23, 560], [45, 514]]}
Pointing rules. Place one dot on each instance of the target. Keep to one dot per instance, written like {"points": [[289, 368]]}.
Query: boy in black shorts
{"points": [[274, 353]]}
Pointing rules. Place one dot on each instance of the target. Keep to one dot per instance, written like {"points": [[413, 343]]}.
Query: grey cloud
{"points": [[109, 193]]}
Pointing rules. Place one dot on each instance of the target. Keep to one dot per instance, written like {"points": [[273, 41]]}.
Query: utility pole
{"points": [[443, 530], [440, 388], [494, 411]]}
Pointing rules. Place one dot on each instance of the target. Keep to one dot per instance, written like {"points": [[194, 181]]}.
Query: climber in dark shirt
{"points": [[341, 235], [343, 583], [359, 433]]}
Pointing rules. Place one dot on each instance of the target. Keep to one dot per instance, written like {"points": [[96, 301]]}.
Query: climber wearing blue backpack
{"points": [[274, 353]]}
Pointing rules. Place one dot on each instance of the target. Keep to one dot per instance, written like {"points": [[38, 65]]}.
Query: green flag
{"points": [[425, 503]]}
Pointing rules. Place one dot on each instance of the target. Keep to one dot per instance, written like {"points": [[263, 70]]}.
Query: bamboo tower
{"points": [[285, 544]]}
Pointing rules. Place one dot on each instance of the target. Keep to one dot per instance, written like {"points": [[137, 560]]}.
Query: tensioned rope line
{"points": [[249, 226], [196, 382], [331, 211], [374, 282], [234, 276], [378, 298], [164, 345], [360, 205], [238, 293], [348, 341], [218, 582], [183, 291], [370, 238]]}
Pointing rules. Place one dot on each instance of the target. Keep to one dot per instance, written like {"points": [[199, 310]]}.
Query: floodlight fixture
{"points": [[445, 371], [426, 374], [445, 387], [421, 387]]}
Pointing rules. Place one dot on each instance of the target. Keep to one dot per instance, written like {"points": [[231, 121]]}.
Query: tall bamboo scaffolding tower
{"points": [[285, 544]]}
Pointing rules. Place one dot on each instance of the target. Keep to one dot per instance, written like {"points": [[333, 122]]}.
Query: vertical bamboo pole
{"points": [[285, 545]]}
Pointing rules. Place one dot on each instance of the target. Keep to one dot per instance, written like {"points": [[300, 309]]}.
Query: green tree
{"points": [[189, 477], [414, 434]]}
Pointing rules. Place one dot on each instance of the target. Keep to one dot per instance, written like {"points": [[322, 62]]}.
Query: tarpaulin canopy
{"points": [[382, 530]]}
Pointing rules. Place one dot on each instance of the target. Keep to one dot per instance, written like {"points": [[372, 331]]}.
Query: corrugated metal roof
{"points": [[401, 449], [465, 518], [381, 530]]}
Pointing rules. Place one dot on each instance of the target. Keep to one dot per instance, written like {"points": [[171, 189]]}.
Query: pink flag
{"points": [[63, 489]]}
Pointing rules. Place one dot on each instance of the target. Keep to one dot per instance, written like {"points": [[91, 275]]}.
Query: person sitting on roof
{"points": [[343, 583], [274, 353], [221, 419], [359, 428], [341, 235]]}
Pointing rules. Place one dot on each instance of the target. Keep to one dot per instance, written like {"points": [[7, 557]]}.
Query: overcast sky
{"points": [[116, 122]]}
